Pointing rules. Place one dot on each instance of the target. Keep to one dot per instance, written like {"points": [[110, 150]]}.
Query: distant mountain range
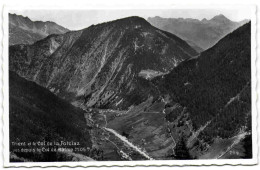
{"points": [[22, 30], [200, 34]]}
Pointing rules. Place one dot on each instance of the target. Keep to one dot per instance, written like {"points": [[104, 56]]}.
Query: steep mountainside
{"points": [[24, 31], [215, 88], [203, 112], [100, 65], [38, 115], [200, 34]]}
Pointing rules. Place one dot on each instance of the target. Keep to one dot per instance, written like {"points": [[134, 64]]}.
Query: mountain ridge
{"points": [[204, 33], [22, 30]]}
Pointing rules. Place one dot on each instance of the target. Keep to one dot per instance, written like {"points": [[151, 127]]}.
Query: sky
{"points": [[79, 19]]}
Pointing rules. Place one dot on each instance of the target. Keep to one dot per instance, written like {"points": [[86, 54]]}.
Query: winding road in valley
{"points": [[123, 139]]}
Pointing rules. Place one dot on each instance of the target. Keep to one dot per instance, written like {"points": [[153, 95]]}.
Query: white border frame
{"points": [[5, 65]]}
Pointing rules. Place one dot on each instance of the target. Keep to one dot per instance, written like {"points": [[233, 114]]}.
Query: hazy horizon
{"points": [[80, 19]]}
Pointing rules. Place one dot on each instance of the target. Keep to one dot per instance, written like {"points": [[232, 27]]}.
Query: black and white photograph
{"points": [[127, 85]]}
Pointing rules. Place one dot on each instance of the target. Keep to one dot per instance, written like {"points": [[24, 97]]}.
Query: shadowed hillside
{"points": [[38, 115], [216, 86]]}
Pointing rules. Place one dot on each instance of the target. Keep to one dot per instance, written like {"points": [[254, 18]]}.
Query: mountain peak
{"points": [[124, 23], [220, 18], [204, 20], [193, 30], [13, 16], [133, 20]]}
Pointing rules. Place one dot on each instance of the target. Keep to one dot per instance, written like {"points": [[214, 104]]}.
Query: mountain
{"points": [[103, 65], [215, 90], [37, 115], [24, 31], [195, 46], [202, 33], [146, 94]]}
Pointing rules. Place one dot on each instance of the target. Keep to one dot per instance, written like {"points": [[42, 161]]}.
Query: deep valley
{"points": [[127, 90]]}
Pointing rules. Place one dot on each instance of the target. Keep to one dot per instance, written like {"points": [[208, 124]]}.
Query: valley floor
{"points": [[144, 133]]}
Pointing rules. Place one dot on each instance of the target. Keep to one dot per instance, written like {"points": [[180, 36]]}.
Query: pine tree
{"points": [[181, 150]]}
